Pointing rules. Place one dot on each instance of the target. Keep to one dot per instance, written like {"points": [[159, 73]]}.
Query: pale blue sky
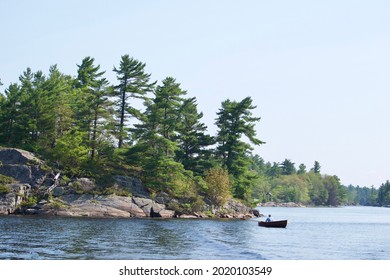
{"points": [[319, 71]]}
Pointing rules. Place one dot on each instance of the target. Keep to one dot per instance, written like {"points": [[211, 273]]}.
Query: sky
{"points": [[318, 71]]}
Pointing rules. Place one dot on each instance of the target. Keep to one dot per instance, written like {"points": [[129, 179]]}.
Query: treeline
{"points": [[87, 126], [283, 182]]}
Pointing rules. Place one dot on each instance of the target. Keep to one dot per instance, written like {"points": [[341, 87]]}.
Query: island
{"points": [[29, 187]]}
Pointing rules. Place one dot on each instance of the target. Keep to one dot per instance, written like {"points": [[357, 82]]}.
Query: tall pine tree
{"points": [[10, 116], [234, 121], [133, 83], [156, 141], [193, 141], [92, 103]]}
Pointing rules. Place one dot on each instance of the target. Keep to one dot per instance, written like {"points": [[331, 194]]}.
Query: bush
{"points": [[117, 191], [57, 205], [31, 201], [175, 206], [218, 185], [6, 180], [4, 189]]}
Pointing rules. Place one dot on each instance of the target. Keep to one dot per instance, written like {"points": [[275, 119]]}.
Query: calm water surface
{"points": [[350, 233]]}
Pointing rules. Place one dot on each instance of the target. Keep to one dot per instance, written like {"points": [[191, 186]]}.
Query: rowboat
{"points": [[275, 224]]}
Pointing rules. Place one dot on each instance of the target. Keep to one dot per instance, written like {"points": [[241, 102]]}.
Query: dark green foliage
{"points": [[192, 139], [133, 83], [302, 169], [92, 108], [316, 167], [362, 195], [165, 111], [71, 152], [384, 194], [78, 122], [59, 115], [287, 167], [336, 193], [235, 121], [156, 145], [11, 131]]}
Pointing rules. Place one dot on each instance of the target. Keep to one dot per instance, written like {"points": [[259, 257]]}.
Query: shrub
{"points": [[218, 185], [56, 205], [31, 201], [117, 191], [4, 189], [5, 179]]}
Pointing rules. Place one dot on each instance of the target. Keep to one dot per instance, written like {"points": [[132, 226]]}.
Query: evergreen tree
{"points": [[258, 164], [92, 102], [316, 168], [273, 170], [287, 167], [133, 83], [167, 108], [193, 140], [156, 144], [162, 116], [302, 169], [101, 122], [234, 121], [10, 116], [384, 194], [59, 115], [28, 108]]}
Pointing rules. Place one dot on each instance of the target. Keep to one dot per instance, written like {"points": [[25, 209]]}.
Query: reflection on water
{"points": [[316, 233]]}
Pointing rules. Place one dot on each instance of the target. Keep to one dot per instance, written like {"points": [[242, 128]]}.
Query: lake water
{"points": [[350, 233]]}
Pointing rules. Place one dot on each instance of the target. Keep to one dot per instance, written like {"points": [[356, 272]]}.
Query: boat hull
{"points": [[274, 224]]}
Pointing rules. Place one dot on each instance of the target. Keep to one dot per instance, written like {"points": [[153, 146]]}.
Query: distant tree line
{"points": [[283, 182], [87, 126]]}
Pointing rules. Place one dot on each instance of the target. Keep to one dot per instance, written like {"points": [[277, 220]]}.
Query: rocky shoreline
{"points": [[280, 204], [100, 206], [22, 174]]}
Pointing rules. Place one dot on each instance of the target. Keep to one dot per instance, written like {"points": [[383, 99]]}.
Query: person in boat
{"points": [[269, 219]]}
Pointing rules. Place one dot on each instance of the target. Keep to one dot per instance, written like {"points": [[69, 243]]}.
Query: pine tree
{"points": [[316, 167], [133, 83], [59, 115], [167, 106], [384, 194], [302, 169], [92, 102], [10, 116], [162, 115], [234, 121], [193, 141], [28, 108], [156, 141], [287, 167], [101, 116]]}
